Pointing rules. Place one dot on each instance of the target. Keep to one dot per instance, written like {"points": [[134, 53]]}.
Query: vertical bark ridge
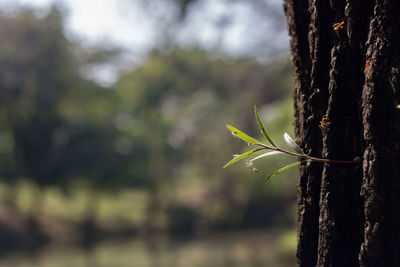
{"points": [[339, 236], [381, 181], [394, 82], [320, 46], [358, 14], [298, 19]]}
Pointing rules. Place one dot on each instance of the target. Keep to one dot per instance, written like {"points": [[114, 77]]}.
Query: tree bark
{"points": [[349, 214]]}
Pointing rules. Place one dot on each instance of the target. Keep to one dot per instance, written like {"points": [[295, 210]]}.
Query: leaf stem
{"points": [[307, 156]]}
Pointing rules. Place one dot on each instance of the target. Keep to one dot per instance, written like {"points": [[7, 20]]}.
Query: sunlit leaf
{"points": [[265, 155], [263, 130], [242, 156], [242, 136], [292, 143], [285, 168]]}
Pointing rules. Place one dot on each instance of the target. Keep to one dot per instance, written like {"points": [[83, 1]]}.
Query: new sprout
{"points": [[274, 149]]}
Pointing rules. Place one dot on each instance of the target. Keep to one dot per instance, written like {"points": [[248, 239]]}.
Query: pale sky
{"points": [[124, 24], [106, 21], [94, 21]]}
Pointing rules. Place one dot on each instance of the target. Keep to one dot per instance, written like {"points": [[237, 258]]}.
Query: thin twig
{"points": [[307, 156]]}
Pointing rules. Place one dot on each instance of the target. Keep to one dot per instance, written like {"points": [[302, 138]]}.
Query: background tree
{"points": [[349, 72], [49, 111], [30, 88]]}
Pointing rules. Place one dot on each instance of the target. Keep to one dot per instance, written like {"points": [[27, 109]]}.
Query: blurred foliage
{"points": [[156, 139]]}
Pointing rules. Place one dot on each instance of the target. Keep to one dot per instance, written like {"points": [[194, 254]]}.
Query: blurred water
{"points": [[244, 249]]}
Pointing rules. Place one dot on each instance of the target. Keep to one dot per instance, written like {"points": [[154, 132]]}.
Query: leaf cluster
{"points": [[297, 151], [261, 146]]}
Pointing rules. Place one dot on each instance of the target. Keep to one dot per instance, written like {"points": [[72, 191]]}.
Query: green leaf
{"points": [[242, 156], [292, 143], [287, 167], [263, 130], [242, 136]]}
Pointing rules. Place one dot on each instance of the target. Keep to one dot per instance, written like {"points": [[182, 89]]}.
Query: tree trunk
{"points": [[349, 214]]}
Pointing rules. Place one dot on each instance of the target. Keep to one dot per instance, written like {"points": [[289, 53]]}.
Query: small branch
{"points": [[307, 156]]}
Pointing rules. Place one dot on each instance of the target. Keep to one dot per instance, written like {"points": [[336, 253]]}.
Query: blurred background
{"points": [[113, 137]]}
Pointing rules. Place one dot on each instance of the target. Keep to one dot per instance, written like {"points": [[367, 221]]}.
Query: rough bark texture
{"points": [[349, 214]]}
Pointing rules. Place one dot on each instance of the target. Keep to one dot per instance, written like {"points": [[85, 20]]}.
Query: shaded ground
{"points": [[33, 242], [251, 248]]}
